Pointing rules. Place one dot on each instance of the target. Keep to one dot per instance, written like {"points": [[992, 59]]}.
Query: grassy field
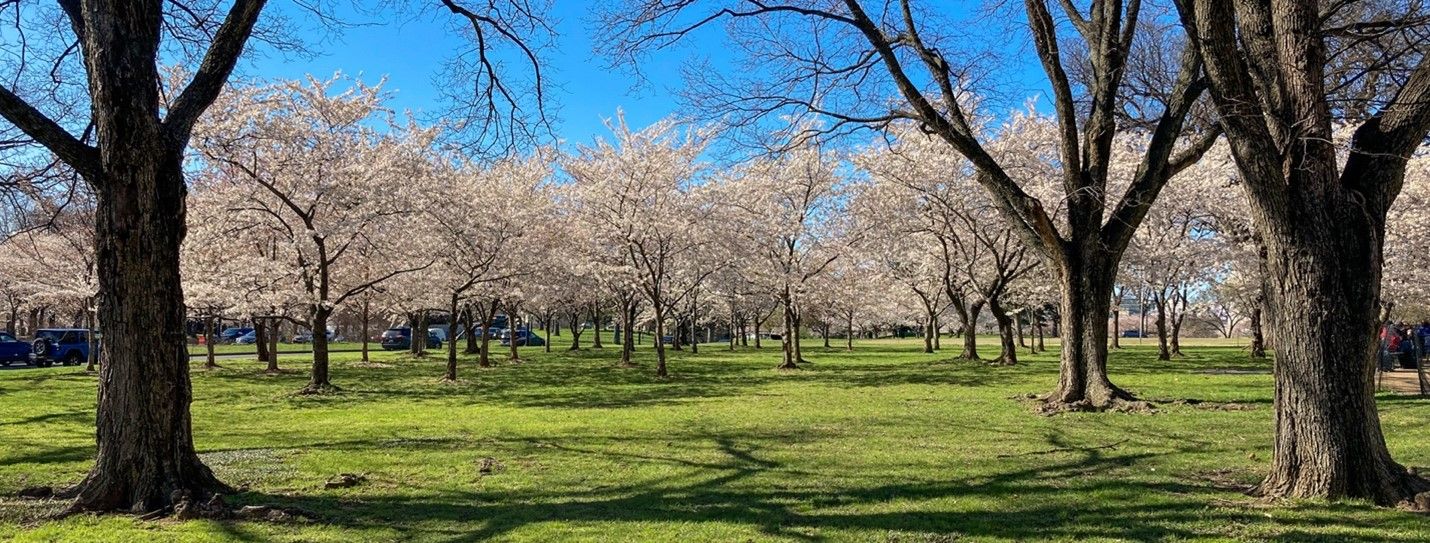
{"points": [[883, 444]]}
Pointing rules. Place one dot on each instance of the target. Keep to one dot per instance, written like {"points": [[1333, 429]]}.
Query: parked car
{"points": [[13, 350], [524, 338], [1133, 333], [68, 346], [229, 335], [247, 339], [307, 337], [397, 339]]}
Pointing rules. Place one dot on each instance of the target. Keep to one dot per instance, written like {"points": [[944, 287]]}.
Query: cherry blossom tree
{"points": [[311, 172], [635, 192]]}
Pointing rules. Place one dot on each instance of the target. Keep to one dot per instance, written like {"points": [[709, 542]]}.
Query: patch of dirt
{"points": [[1050, 408], [1212, 406], [488, 466], [345, 480], [1224, 479]]}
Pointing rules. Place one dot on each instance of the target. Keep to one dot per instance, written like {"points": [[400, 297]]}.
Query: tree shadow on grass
{"points": [[1075, 496]]}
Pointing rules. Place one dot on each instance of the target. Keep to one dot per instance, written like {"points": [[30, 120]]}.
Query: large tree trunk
{"points": [[1086, 293], [1179, 315], [319, 383], [1322, 311], [145, 457], [628, 340]]}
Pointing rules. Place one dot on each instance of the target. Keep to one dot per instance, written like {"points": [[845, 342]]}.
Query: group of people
{"points": [[1403, 344]]}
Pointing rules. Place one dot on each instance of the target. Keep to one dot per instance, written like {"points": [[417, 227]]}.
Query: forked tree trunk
{"points": [[970, 332], [928, 337], [1163, 351], [576, 331], [1007, 343], [1086, 294], [1178, 317]]}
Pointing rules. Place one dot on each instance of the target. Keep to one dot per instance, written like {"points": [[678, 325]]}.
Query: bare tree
{"points": [[838, 60]]}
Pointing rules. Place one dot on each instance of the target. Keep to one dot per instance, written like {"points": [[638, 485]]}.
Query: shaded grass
{"points": [[882, 444]]}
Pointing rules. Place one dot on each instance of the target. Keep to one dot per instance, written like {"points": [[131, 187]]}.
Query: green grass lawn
{"points": [[883, 444]]}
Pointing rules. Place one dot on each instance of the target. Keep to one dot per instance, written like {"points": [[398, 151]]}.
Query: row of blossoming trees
{"points": [[311, 198]]}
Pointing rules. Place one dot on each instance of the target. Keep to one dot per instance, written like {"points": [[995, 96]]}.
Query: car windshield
{"points": [[393, 333], [6, 338], [50, 334]]}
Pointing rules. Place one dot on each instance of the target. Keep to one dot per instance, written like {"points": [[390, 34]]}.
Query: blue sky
{"points": [[410, 53]]}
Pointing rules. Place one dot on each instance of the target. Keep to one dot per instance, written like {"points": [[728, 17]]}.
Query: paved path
{"points": [[1402, 381]]}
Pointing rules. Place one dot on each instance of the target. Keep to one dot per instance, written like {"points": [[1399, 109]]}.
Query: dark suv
{"points": [[397, 339], [13, 350], [68, 346]]}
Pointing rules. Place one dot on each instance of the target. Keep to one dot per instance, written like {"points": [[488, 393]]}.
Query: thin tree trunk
{"points": [[470, 318], [319, 382], [209, 361], [366, 328], [1163, 351], [576, 331], [273, 332], [1258, 338], [451, 341], [596, 322]]}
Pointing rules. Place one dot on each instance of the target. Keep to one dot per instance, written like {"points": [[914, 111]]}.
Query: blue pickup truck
{"points": [[68, 346]]}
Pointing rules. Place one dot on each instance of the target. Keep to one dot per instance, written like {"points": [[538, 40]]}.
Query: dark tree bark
{"points": [[1164, 352], [1258, 338], [275, 330], [970, 331], [319, 381], [209, 361], [597, 319], [145, 458], [469, 317], [576, 330], [260, 338], [1322, 228], [451, 374], [366, 327], [1007, 343]]}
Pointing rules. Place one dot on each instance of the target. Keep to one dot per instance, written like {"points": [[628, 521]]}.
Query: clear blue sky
{"points": [[410, 53]]}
